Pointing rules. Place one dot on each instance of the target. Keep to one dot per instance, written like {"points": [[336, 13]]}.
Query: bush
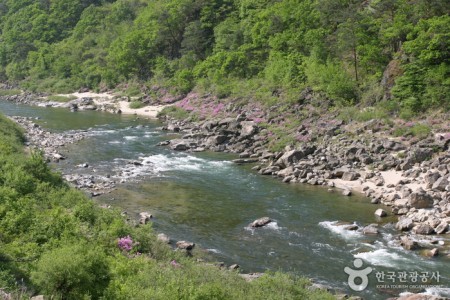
{"points": [[72, 271], [9, 92], [136, 104], [59, 98], [174, 112]]}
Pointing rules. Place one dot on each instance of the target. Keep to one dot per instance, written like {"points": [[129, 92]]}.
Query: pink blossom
{"points": [[125, 243]]}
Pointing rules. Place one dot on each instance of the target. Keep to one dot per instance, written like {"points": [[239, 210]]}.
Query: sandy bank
{"points": [[109, 99]]}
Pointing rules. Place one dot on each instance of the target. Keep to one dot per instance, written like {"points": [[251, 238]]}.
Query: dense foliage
{"points": [[57, 242], [266, 50]]}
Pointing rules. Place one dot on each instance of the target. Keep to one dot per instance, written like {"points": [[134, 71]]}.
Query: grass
{"points": [[136, 104], [9, 92], [59, 98], [348, 114], [174, 112], [420, 131]]}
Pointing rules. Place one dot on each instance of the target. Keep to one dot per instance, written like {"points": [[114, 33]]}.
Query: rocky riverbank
{"points": [[410, 176], [50, 143]]}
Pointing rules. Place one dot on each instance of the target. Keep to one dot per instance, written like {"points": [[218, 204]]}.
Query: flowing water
{"points": [[206, 199]]}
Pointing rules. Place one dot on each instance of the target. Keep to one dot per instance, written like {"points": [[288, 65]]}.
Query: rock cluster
{"points": [[48, 142]]}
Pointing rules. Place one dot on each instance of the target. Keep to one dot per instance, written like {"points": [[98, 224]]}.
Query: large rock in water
{"points": [[179, 145], [261, 222], [408, 243]]}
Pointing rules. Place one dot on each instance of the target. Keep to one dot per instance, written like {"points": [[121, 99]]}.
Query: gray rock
{"points": [[380, 213], [432, 253], [290, 158], [440, 184], [371, 229], [216, 140], [185, 245], [423, 229], [249, 128], [144, 217], [441, 228], [252, 276], [261, 222], [163, 238], [404, 224], [349, 176], [269, 170], [347, 192], [420, 199], [179, 145], [408, 243]]}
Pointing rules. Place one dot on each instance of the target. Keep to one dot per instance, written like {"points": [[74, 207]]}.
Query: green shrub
{"points": [[59, 98], [136, 104], [10, 92], [72, 271], [420, 131], [174, 112]]}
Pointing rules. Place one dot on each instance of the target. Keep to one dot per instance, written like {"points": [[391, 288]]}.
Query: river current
{"points": [[206, 199]]}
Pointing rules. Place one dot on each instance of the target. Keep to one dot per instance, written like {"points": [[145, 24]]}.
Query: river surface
{"points": [[206, 199]]}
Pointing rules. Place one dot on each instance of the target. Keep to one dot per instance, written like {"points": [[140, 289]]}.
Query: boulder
{"points": [[260, 222], [144, 217], [440, 184], [179, 145], [423, 229], [420, 199], [269, 170], [290, 158], [380, 213], [441, 228], [404, 224], [249, 128], [183, 245], [347, 192], [163, 238], [408, 243], [216, 140], [432, 253], [371, 229], [349, 176]]}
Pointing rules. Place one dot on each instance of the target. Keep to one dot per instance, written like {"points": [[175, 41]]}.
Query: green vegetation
{"points": [[266, 51], [420, 131], [174, 112], [9, 92], [136, 104], [57, 242], [59, 98]]}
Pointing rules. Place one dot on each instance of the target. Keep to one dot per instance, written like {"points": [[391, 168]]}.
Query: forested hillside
{"points": [[255, 49]]}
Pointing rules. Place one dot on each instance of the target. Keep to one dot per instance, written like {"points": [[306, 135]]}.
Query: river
{"points": [[206, 199]]}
